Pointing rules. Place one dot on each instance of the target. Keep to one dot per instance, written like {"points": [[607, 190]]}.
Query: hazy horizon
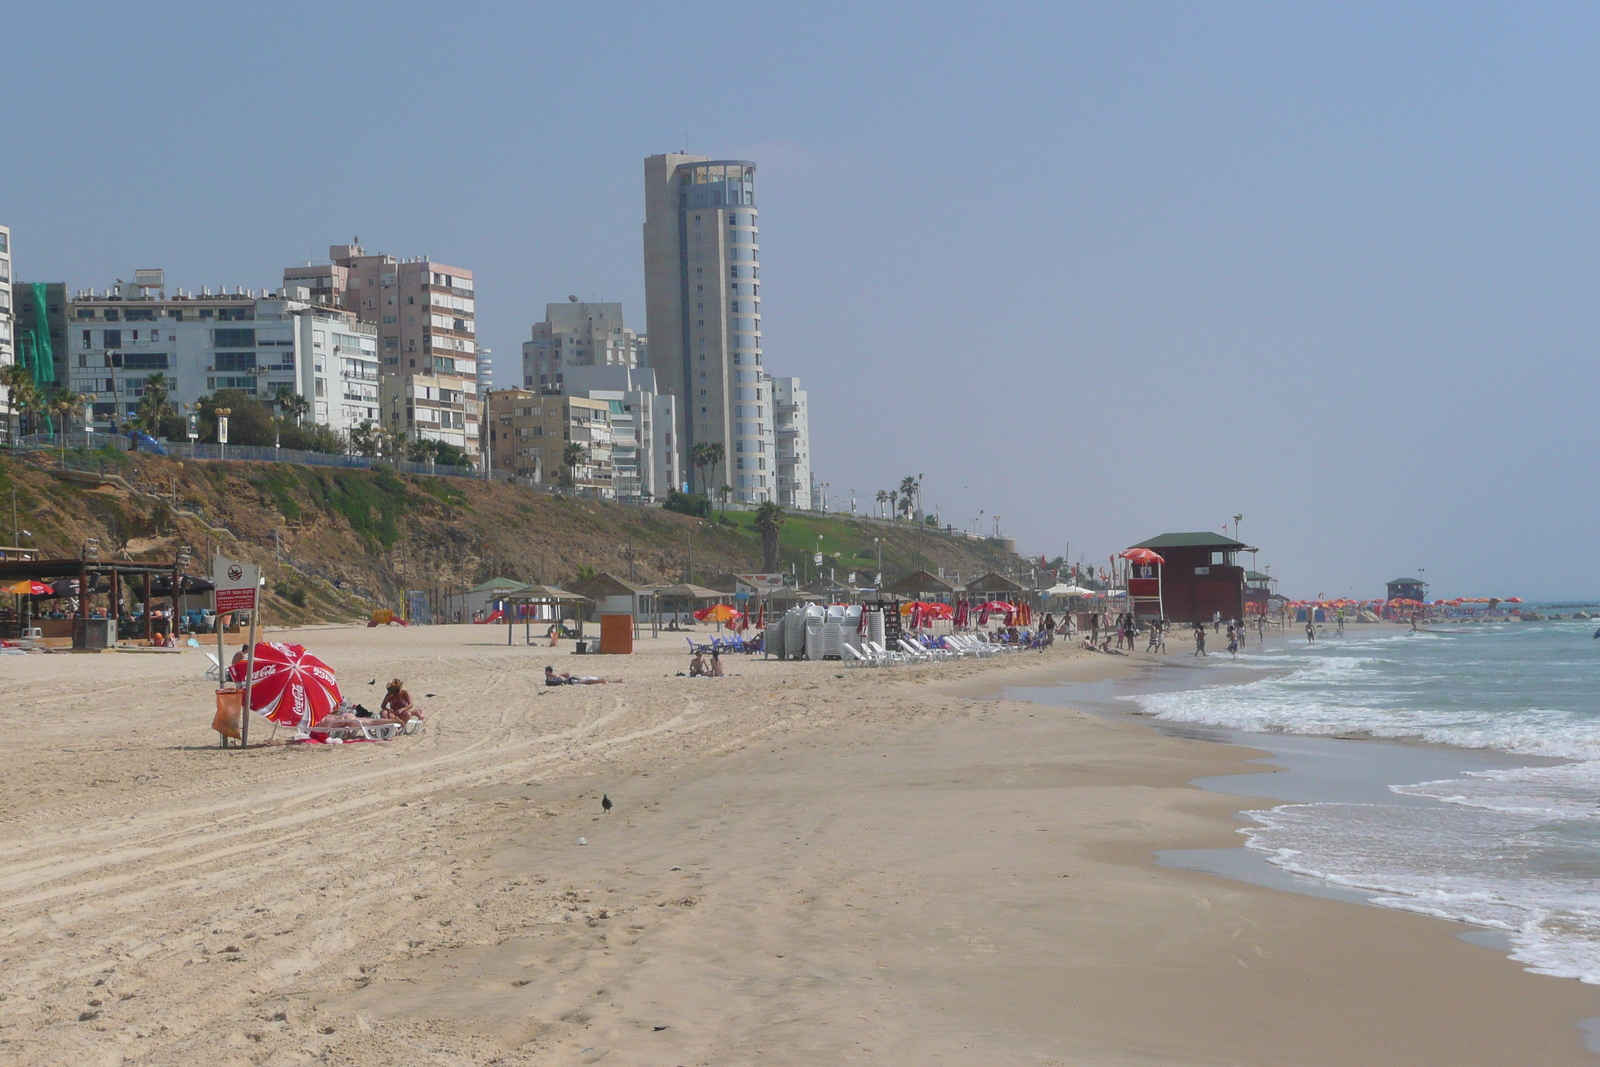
{"points": [[1106, 273]]}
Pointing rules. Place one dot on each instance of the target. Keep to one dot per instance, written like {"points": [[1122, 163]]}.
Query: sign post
{"points": [[238, 589]]}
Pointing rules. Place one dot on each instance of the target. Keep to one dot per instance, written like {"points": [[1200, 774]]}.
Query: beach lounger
{"points": [[214, 672], [853, 658], [883, 655]]}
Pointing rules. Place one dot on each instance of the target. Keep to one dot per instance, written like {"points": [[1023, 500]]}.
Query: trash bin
{"points": [[93, 633], [230, 707]]}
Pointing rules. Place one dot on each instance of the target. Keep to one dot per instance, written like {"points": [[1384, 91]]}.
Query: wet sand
{"points": [[872, 867]]}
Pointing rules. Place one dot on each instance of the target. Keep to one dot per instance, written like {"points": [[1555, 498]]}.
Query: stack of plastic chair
{"points": [[794, 632], [852, 627], [833, 636], [875, 628], [814, 620]]}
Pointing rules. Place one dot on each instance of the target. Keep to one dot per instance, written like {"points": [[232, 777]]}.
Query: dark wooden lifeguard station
{"points": [[1199, 577], [1258, 592], [1408, 589]]}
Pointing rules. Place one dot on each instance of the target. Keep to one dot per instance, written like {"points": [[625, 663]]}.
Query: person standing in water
{"points": [[1200, 639]]}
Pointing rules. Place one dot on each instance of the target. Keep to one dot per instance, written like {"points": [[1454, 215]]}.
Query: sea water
{"points": [[1516, 850]]}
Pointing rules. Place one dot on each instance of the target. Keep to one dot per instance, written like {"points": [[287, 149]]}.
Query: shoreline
{"points": [[805, 864]]}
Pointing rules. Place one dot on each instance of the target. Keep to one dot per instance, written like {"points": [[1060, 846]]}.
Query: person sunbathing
{"points": [[397, 704], [697, 666], [568, 678]]}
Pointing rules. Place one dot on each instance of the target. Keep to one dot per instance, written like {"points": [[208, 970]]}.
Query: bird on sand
{"points": [[605, 803]]}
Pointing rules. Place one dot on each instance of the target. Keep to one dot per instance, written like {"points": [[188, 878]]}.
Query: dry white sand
{"points": [[806, 864]]}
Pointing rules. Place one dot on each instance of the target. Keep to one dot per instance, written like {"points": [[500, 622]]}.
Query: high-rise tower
{"points": [[703, 313]]}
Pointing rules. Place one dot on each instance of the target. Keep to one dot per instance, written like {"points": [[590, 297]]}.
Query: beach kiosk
{"points": [[1198, 577]]}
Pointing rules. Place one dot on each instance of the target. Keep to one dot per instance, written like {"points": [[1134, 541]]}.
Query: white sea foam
{"points": [[1488, 868], [1516, 850], [1341, 695], [1570, 791]]}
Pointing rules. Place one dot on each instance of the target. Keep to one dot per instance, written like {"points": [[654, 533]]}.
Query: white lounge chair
{"points": [[214, 672], [853, 658]]}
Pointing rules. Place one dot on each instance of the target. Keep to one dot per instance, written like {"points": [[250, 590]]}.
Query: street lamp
{"points": [[277, 433], [222, 431]]}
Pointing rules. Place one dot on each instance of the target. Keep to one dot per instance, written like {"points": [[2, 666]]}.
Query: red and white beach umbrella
{"points": [[290, 686]]}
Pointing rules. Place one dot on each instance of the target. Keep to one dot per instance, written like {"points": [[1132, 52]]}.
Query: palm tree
{"points": [[153, 406], [21, 394], [715, 454], [768, 521], [884, 496], [700, 456], [908, 491], [291, 403], [571, 456]]}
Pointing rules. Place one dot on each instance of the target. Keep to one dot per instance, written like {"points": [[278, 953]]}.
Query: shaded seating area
{"points": [[97, 592], [543, 606]]}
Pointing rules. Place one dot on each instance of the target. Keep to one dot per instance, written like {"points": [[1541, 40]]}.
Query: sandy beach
{"points": [[806, 864]]}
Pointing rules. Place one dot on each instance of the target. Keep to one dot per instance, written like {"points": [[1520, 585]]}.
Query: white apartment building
{"points": [[703, 306], [648, 465], [202, 343], [793, 425], [578, 334], [426, 318], [8, 326]]}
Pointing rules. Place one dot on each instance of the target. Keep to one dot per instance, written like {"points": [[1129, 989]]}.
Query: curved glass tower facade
{"points": [[703, 302]]}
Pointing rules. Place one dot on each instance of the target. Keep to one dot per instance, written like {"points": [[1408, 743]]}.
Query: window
{"points": [[235, 314], [236, 361], [233, 338], [111, 338], [86, 313], [144, 361], [205, 313], [87, 343], [112, 315], [140, 315]]}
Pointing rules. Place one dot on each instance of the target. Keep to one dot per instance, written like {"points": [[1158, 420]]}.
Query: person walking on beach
{"points": [[1094, 637], [1238, 631], [1216, 622], [1200, 639], [1311, 632]]}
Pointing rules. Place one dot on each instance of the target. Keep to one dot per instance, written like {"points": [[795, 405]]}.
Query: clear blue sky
{"points": [[1105, 270]]}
